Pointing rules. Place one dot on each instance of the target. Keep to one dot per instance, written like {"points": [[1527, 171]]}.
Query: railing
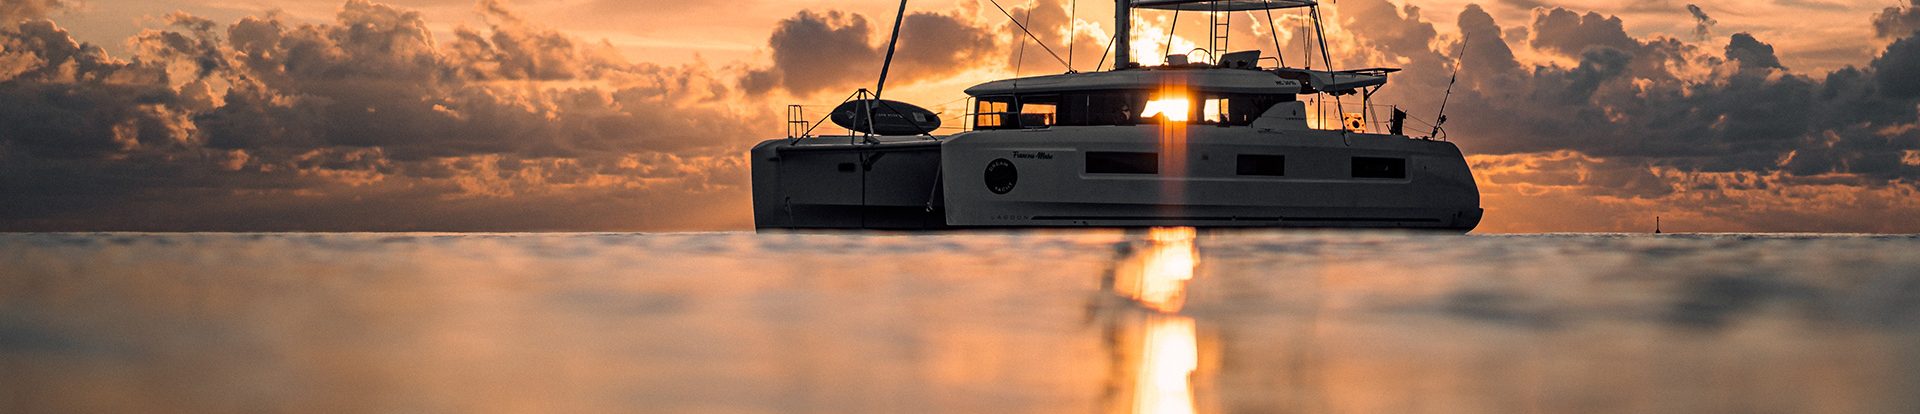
{"points": [[1332, 114], [797, 124]]}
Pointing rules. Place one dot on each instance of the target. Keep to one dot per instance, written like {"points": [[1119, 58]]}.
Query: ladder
{"points": [[1222, 22]]}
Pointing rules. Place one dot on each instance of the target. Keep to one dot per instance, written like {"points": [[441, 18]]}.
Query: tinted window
{"points": [[993, 113], [1370, 167], [1123, 163], [1252, 164]]}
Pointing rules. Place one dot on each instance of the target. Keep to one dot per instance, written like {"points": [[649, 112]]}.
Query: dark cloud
{"points": [[12, 11], [813, 52], [1702, 24], [69, 100], [1897, 22], [1565, 32], [366, 122], [1751, 53], [836, 51], [370, 122], [1661, 121]]}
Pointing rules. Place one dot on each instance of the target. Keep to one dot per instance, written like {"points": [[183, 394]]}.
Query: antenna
{"points": [[1457, 56]]}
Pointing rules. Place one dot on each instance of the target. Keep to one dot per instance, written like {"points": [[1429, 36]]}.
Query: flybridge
{"points": [[1222, 5], [1217, 9]]}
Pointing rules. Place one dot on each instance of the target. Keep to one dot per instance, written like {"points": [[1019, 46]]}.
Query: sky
{"points": [[603, 115]]}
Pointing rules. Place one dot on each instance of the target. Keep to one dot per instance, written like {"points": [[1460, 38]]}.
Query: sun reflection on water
{"points": [[1156, 276], [1157, 350], [1170, 353]]}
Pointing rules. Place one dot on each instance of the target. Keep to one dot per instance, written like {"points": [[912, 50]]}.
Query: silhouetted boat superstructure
{"points": [[1222, 144]]}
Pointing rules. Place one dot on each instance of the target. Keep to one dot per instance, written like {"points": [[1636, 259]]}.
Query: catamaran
{"points": [[1225, 142]]}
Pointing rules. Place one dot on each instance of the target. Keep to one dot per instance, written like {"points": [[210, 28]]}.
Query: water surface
{"points": [[1163, 321]]}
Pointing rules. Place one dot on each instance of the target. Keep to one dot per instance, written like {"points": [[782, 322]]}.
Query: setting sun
{"points": [[1174, 109]]}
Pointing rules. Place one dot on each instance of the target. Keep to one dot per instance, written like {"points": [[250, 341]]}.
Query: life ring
{"points": [[1355, 124]]}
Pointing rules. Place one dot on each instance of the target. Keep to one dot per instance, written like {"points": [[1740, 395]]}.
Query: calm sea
{"points": [[1159, 321]]}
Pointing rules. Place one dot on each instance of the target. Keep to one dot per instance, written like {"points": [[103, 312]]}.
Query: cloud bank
{"points": [[368, 122], [1609, 130], [373, 122]]}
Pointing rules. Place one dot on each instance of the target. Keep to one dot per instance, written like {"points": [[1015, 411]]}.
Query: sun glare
{"points": [[1170, 353], [1175, 109], [1157, 276]]}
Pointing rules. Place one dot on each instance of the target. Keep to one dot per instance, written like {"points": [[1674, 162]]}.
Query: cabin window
{"points": [[1260, 164], [1091, 108], [992, 112], [1110, 162], [1211, 109], [1374, 167], [1038, 111], [1098, 108], [1242, 109]]}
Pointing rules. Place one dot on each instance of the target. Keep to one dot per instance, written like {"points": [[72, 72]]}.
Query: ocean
{"points": [[1146, 321]]}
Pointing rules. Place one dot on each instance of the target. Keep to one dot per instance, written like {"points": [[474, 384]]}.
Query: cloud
{"points": [[1751, 53], [815, 52], [1659, 124], [375, 121], [312, 121], [1897, 22], [1702, 24], [12, 11]]}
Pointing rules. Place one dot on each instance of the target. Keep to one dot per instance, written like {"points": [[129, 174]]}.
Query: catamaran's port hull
{"points": [[1118, 176], [844, 183]]}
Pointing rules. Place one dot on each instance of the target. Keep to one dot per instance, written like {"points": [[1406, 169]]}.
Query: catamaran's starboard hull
{"points": [[1116, 176]]}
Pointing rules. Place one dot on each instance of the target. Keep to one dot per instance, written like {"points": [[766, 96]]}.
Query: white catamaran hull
{"points": [[1207, 176], [1115, 176]]}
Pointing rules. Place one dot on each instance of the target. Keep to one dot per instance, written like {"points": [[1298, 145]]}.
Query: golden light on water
{"points": [[1157, 277], [1170, 352], [1158, 350]]}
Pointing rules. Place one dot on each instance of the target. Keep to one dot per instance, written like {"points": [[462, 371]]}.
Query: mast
{"points": [[891, 42], [1123, 29]]}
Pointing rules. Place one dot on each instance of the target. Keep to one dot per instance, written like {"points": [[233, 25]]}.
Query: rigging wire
{"points": [[1104, 51], [1073, 30], [1023, 28], [1170, 28], [1274, 31], [1306, 49], [1327, 57], [1020, 55]]}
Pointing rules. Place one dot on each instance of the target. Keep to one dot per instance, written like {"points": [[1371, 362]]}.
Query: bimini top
{"points": [[1222, 5], [1204, 80]]}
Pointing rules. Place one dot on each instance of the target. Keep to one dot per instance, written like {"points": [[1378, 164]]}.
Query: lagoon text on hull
{"points": [[1225, 143]]}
